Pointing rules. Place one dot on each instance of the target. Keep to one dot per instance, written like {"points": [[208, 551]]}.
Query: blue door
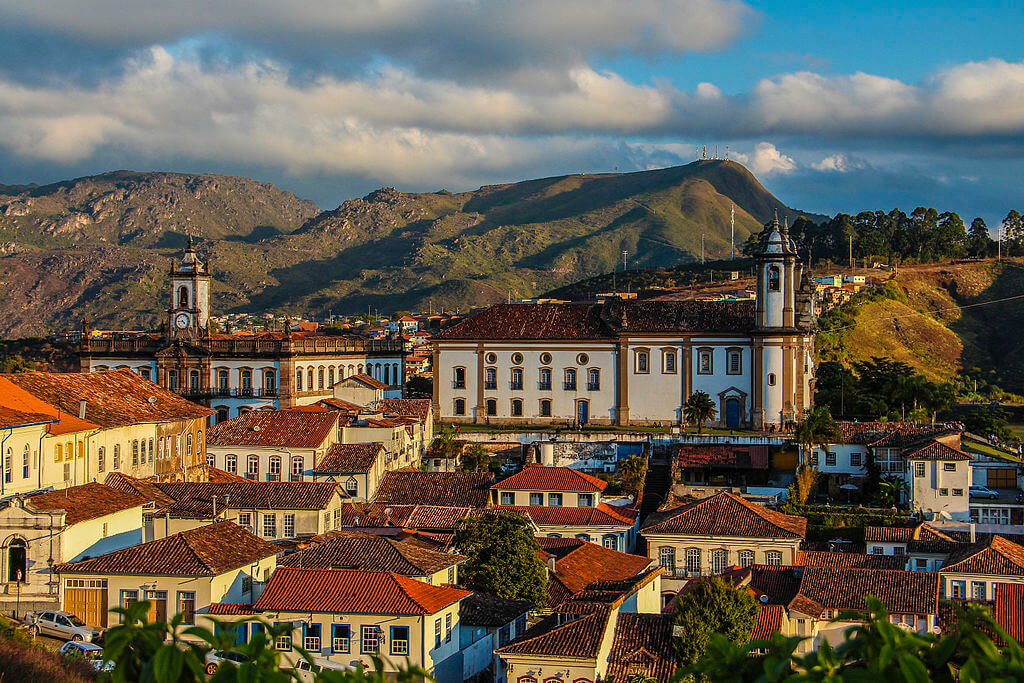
{"points": [[582, 412], [732, 413]]}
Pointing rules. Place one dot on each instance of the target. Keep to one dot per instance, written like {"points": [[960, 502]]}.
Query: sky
{"points": [[834, 106]]}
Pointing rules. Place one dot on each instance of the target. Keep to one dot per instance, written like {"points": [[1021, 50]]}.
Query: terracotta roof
{"points": [[901, 592], [339, 404], [369, 381], [923, 538], [418, 408], [480, 609], [87, 501], [142, 487], [580, 565], [602, 321], [353, 550], [197, 497], [9, 417], [450, 489], [204, 551], [935, 450], [274, 428], [818, 558], [219, 476], [768, 621], [602, 515], [546, 478], [408, 516], [890, 434], [736, 457], [231, 608], [114, 398], [1008, 610], [19, 408], [353, 591], [725, 514], [349, 458], [578, 638], [997, 556], [778, 584], [642, 644]]}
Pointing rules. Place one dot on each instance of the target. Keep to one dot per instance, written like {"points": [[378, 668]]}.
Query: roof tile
{"points": [[547, 478], [449, 489], [353, 550], [726, 514], [274, 428], [349, 458], [87, 501], [642, 644]]}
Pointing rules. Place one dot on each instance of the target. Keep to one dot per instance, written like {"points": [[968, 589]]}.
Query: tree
{"points": [[988, 421], [699, 408], [712, 606], [632, 471], [804, 483], [419, 385], [447, 443], [979, 238], [890, 490], [1013, 234], [476, 458], [817, 428], [503, 557]]}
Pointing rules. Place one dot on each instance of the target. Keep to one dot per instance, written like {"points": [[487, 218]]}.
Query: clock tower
{"points": [[189, 314]]}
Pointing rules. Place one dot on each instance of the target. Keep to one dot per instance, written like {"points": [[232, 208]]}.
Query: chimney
{"points": [[81, 409], [974, 533]]}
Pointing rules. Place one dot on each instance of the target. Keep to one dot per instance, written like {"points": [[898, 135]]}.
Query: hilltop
{"points": [[99, 246]]}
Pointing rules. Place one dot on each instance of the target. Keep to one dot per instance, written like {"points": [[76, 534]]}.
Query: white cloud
{"points": [[766, 159], [834, 162]]}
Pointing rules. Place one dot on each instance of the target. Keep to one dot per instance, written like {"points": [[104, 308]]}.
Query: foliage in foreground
{"points": [[156, 653], [873, 652], [25, 661]]}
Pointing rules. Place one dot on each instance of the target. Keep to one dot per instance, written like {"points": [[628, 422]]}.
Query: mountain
{"points": [[99, 246]]}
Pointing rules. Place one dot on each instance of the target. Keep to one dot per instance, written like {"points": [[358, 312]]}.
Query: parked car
{"points": [[308, 672], [983, 492], [90, 652], [214, 659], [61, 625]]}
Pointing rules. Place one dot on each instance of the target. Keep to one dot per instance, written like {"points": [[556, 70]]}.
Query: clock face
{"points": [[181, 320]]}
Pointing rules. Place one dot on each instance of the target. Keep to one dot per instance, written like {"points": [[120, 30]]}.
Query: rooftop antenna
{"points": [[727, 152], [732, 223], [624, 252]]}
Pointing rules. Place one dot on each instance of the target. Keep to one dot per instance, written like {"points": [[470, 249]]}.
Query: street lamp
{"points": [[17, 584]]}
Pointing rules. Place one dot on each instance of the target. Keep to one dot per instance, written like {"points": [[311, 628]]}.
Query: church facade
{"points": [[233, 373], [635, 362]]}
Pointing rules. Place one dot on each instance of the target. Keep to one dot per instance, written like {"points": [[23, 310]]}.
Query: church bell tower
{"points": [[189, 314]]}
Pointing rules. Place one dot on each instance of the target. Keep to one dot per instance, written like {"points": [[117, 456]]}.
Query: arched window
{"points": [[298, 468], [719, 561], [245, 381], [352, 486], [199, 440], [193, 380], [554, 535], [188, 444], [320, 379], [25, 462], [222, 414], [341, 372], [746, 558], [252, 467], [298, 380], [330, 376], [544, 383], [172, 379], [771, 379], [492, 406], [773, 279], [17, 561], [594, 379], [135, 452], [545, 407], [269, 381], [570, 379], [116, 463], [387, 374], [309, 379], [517, 379], [667, 559], [223, 381], [460, 406], [583, 537], [210, 460], [490, 378], [231, 464], [183, 297], [81, 449], [360, 368], [275, 468], [9, 465], [517, 407]]}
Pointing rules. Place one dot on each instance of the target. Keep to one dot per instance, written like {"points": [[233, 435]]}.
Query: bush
{"points": [[24, 661]]}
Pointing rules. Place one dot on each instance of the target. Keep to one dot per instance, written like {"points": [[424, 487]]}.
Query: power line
{"points": [[925, 314]]}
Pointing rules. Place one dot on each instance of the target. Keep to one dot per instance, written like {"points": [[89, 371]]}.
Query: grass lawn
{"points": [[985, 449]]}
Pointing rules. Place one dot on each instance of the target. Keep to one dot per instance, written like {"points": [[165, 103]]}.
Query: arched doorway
{"points": [[17, 561], [732, 413]]}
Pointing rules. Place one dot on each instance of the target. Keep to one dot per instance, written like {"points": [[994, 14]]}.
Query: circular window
{"points": [[583, 359], [771, 379], [517, 359], [491, 358], [545, 358]]}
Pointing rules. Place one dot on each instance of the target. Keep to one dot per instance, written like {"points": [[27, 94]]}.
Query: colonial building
{"points": [[636, 361], [233, 373]]}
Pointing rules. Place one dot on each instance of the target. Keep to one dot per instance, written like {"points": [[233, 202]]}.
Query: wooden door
{"points": [[88, 604]]}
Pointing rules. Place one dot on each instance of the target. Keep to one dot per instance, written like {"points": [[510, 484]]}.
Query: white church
{"points": [[635, 362]]}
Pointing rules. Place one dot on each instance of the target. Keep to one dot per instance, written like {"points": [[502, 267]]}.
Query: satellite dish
{"points": [[388, 511], [937, 630], [763, 599], [152, 399], [256, 428]]}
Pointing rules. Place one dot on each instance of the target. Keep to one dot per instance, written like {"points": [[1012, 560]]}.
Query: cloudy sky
{"points": [[835, 106]]}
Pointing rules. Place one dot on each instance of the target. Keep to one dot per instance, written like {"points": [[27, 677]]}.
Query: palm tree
{"points": [[699, 408], [817, 428], [890, 490]]}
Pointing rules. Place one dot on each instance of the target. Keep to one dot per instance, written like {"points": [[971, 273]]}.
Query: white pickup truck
{"points": [[61, 625]]}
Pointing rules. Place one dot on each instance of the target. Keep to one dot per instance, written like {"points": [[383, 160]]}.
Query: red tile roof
{"points": [[922, 538], [997, 556], [579, 638], [231, 608], [349, 458], [418, 408], [114, 398], [87, 501], [546, 478], [1008, 610], [817, 558], [580, 565], [141, 487], [480, 609], [738, 457], [367, 380], [354, 550], [901, 592], [196, 498], [9, 417], [274, 428], [768, 621], [450, 489], [19, 408], [890, 434], [408, 516], [219, 476], [204, 551], [936, 450], [642, 644], [602, 515], [353, 591], [725, 514]]}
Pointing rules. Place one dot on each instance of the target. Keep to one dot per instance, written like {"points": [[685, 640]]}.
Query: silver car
{"points": [[87, 651], [61, 625]]}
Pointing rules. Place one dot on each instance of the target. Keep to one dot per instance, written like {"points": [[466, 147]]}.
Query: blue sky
{"points": [[834, 106]]}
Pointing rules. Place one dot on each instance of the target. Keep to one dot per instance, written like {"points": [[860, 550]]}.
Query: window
{"points": [[101, 459], [369, 642], [993, 515], [330, 376], [117, 456], [491, 358], [536, 498], [585, 500], [252, 467], [400, 640], [830, 459], [337, 518], [193, 380], [183, 297], [341, 635], [570, 379], [437, 632], [958, 492], [275, 468], [898, 550], [245, 520], [448, 627], [135, 452], [309, 379], [733, 362], [459, 380], [746, 558], [25, 461], [289, 525], [545, 407], [977, 590], [269, 382], [128, 598], [921, 564], [270, 526], [544, 383], [918, 469], [719, 561], [771, 379], [188, 445], [451, 575], [667, 559], [773, 279], [298, 380], [311, 639], [508, 498], [297, 468], [705, 364], [555, 499], [593, 379], [187, 606], [491, 406], [145, 373], [9, 465], [352, 486], [958, 589], [172, 379], [582, 359], [517, 379], [643, 362], [949, 467], [503, 639], [231, 463], [327, 520], [545, 358], [283, 642], [58, 452], [583, 537], [854, 459], [943, 492], [517, 407], [668, 362], [877, 550], [693, 560], [773, 557], [460, 406]]}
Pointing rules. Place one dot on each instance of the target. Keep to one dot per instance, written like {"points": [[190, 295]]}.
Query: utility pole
{"points": [[732, 223], [851, 252], [999, 242], [624, 253], [702, 249]]}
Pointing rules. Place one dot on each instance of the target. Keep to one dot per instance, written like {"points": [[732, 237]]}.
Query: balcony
{"points": [[516, 386], [459, 384], [544, 386], [593, 386], [570, 386], [490, 385]]}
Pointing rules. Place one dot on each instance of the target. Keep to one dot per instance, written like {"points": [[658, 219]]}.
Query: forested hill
{"points": [[100, 246]]}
